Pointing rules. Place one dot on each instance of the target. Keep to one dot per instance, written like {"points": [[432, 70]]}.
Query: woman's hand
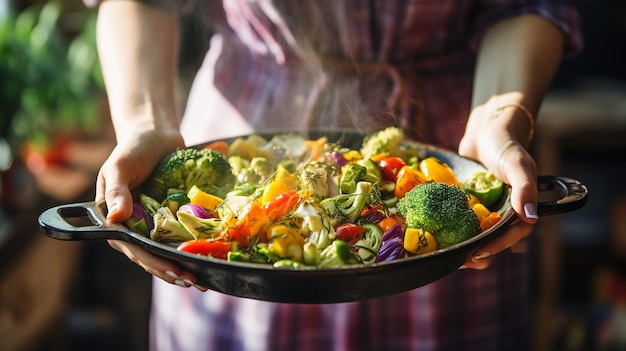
{"points": [[498, 140], [517, 59], [129, 165], [140, 75]]}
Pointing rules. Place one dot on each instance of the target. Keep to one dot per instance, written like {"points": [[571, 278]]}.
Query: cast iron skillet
{"points": [[87, 221]]}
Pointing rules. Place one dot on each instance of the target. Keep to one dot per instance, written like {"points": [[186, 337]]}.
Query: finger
{"points": [[513, 235], [521, 247], [113, 186], [480, 264], [160, 268], [523, 181]]}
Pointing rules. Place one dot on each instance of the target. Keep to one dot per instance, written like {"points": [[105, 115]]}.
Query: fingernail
{"points": [[463, 267], [201, 288], [188, 282], [483, 255], [171, 274], [530, 210], [181, 283]]}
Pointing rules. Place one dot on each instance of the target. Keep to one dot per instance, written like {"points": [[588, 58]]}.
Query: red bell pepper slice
{"points": [[207, 247], [281, 204], [350, 233]]}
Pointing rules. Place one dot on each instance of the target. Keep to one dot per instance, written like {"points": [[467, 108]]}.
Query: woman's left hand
{"points": [[498, 142]]}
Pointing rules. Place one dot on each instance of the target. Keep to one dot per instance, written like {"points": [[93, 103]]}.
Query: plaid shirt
{"points": [[363, 64], [294, 65]]}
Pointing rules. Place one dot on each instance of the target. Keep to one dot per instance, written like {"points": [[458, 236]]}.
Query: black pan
{"points": [[87, 221]]}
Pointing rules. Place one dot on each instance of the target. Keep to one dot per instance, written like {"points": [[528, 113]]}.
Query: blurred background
{"points": [[55, 133]]}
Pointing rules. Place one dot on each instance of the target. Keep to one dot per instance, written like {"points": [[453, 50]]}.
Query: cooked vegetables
{"points": [[200, 227], [442, 210], [387, 141], [184, 168], [167, 228], [346, 208], [338, 254], [294, 203], [435, 169], [203, 199], [419, 241], [195, 210], [140, 222], [485, 186]]}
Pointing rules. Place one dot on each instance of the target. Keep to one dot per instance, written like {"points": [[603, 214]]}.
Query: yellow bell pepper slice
{"points": [[286, 241], [199, 197], [283, 181], [418, 241], [408, 178], [438, 171], [480, 210]]}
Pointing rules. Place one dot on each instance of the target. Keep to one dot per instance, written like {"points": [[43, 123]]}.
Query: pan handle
{"points": [[559, 195], [80, 221]]}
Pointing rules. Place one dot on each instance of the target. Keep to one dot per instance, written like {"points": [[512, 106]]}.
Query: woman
{"points": [[467, 75]]}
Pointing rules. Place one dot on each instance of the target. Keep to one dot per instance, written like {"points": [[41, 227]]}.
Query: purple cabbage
{"points": [[392, 246], [393, 232], [140, 222], [374, 216], [140, 213], [390, 250], [195, 210], [337, 158]]}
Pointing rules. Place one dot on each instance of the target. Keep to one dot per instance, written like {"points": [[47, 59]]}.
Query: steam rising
{"points": [[304, 74]]}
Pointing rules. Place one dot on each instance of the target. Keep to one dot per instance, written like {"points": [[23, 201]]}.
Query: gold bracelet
{"points": [[531, 119]]}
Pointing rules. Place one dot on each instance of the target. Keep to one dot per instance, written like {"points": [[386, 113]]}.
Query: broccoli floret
{"points": [[184, 168], [373, 173], [149, 204], [441, 209], [167, 229], [346, 208], [263, 167], [363, 170], [388, 141], [351, 174]]}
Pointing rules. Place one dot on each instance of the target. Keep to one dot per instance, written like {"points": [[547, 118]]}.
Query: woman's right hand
{"points": [[130, 163], [140, 74]]}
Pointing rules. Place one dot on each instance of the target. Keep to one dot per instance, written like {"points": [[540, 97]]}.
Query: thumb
{"points": [[115, 191], [518, 169]]}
